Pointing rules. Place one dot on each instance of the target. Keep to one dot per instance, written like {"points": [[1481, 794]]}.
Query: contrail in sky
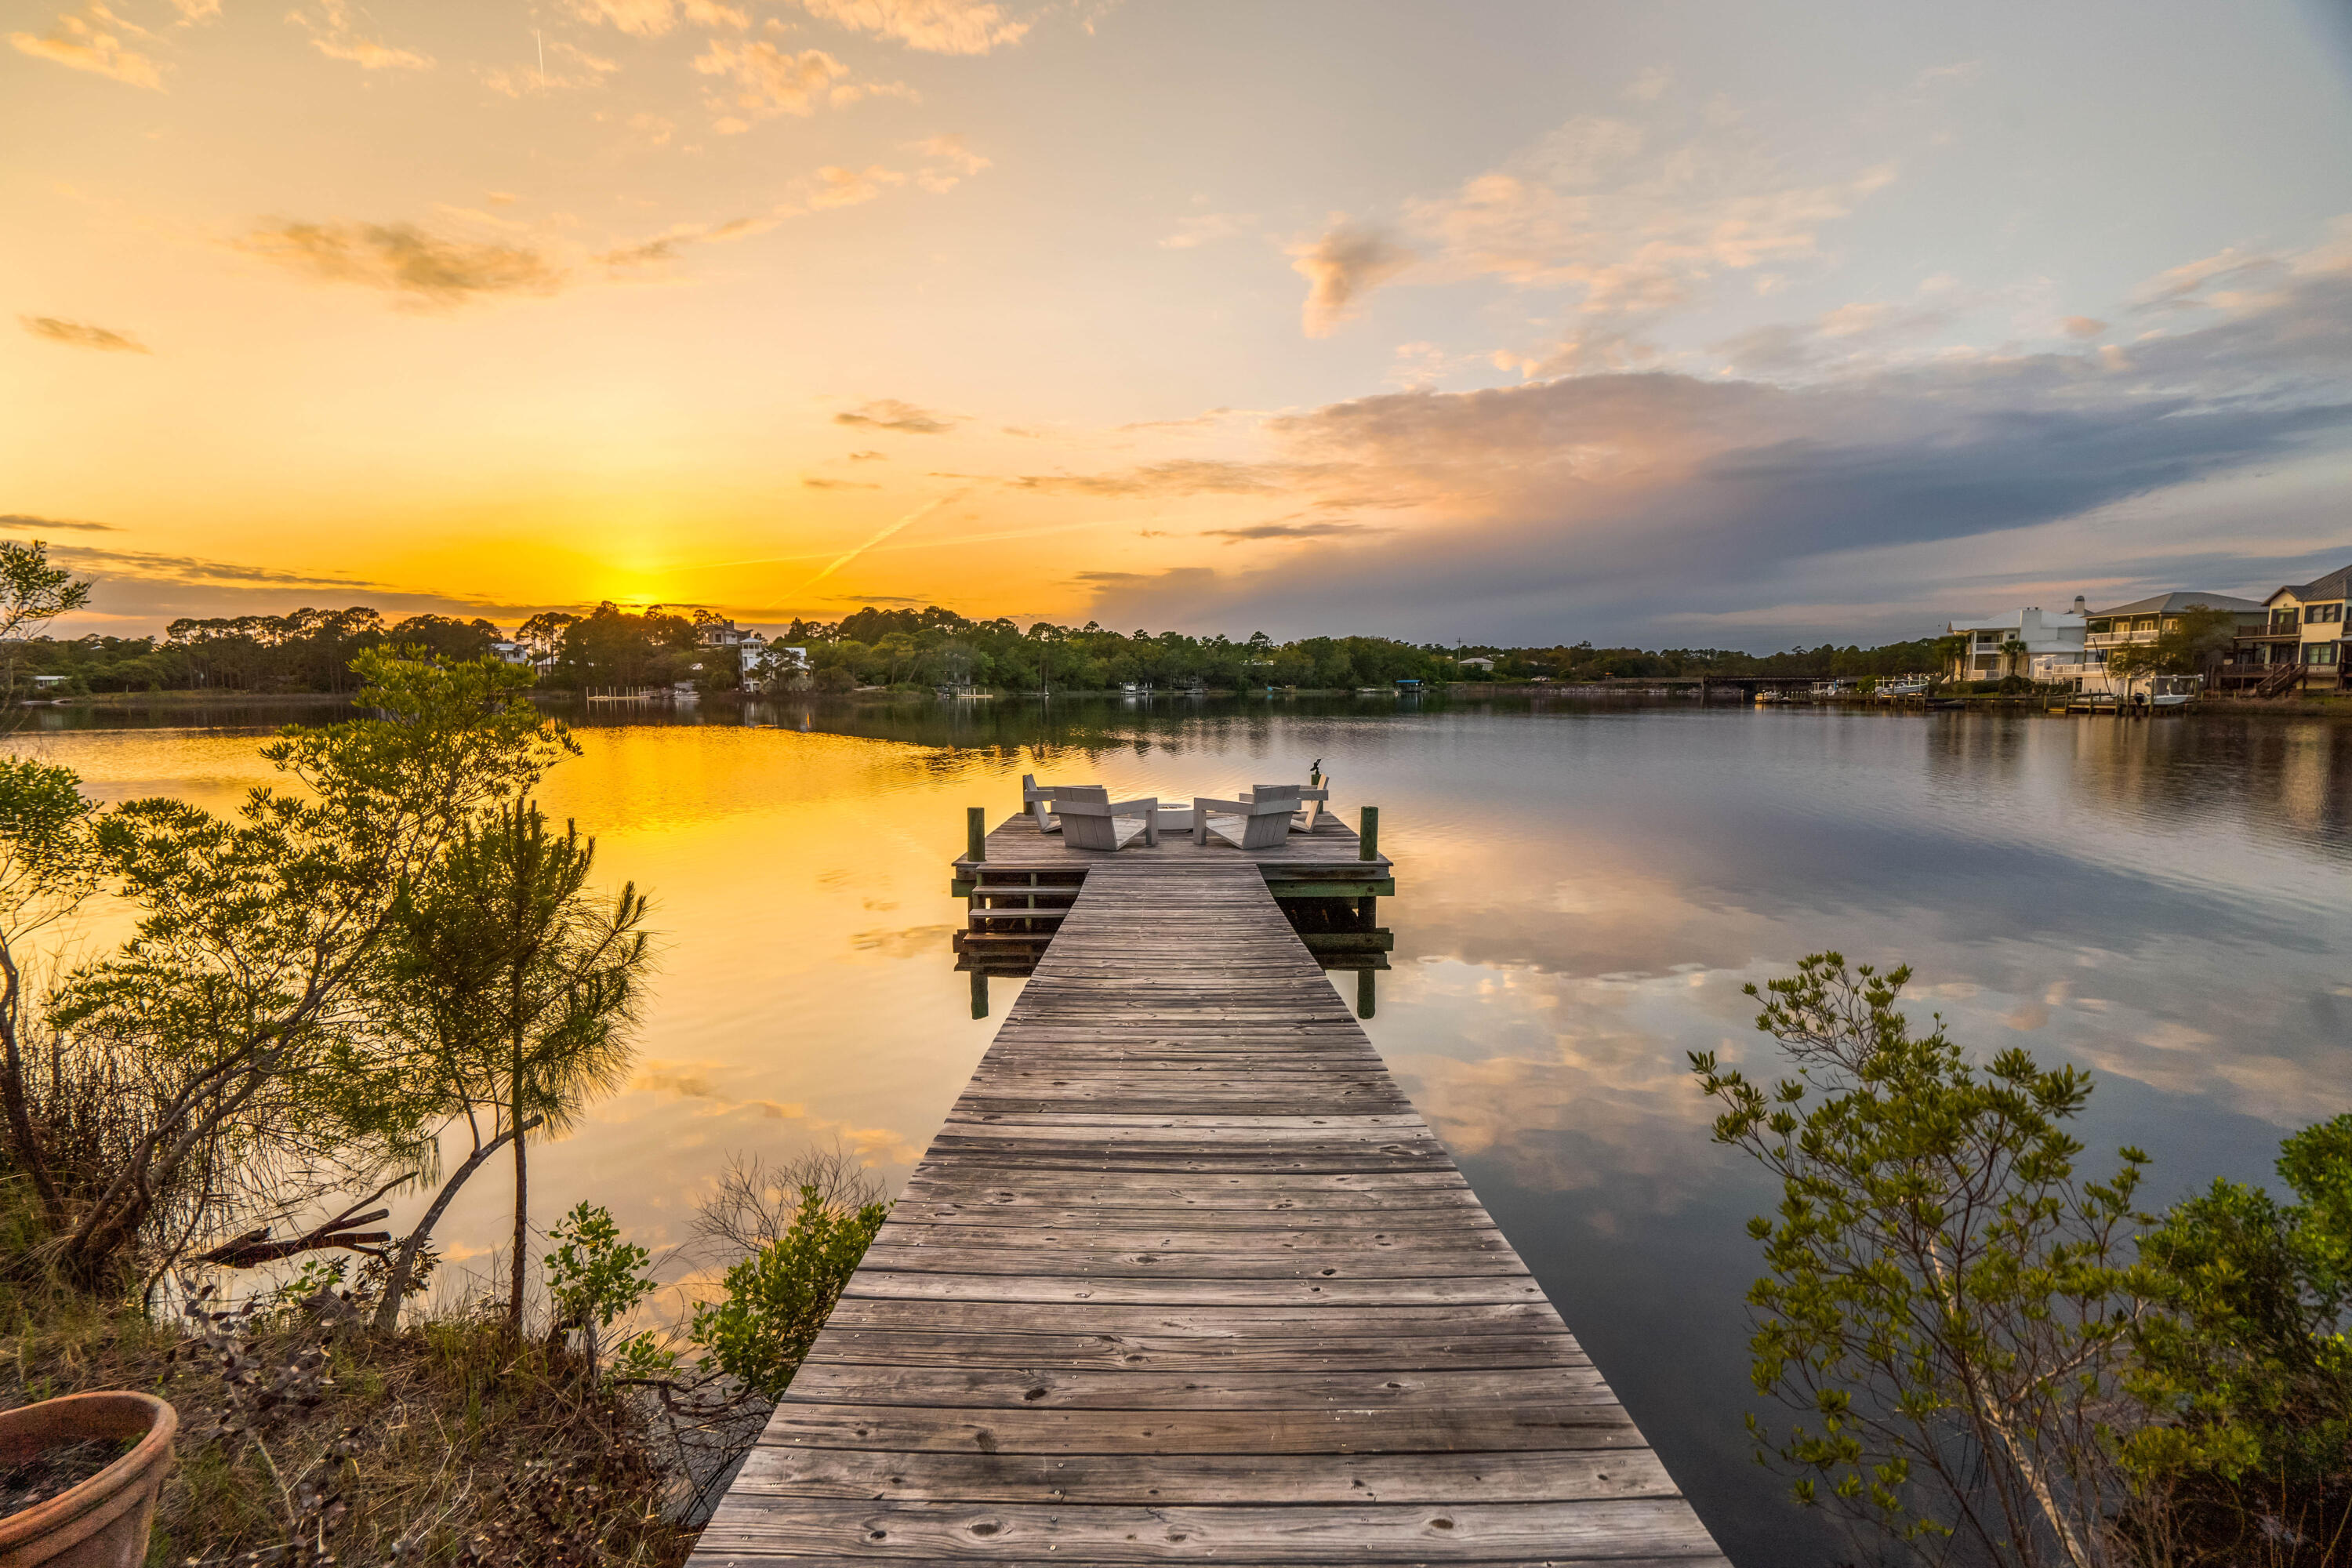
{"points": [[918, 545], [917, 515]]}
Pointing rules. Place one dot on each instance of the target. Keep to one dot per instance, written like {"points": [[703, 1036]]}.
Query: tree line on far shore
{"points": [[310, 650]]}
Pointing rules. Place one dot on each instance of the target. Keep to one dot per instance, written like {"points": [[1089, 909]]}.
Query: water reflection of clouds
{"points": [[1568, 1083], [695, 1082], [2138, 898]]}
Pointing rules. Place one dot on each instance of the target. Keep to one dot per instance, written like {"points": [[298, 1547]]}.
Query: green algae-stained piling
{"points": [[1186, 1276]]}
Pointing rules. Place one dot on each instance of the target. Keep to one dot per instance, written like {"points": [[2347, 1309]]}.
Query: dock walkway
{"points": [[1184, 1276]]}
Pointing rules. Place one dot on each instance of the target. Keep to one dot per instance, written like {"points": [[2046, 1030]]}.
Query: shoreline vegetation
{"points": [[1633, 689], [310, 650], [389, 971], [304, 657]]}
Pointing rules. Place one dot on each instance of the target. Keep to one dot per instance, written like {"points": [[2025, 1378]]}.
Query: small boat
{"points": [[1371, 691], [1773, 694]]}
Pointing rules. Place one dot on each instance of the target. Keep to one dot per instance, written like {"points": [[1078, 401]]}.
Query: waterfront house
{"points": [[2144, 620], [1986, 653], [751, 648], [1486, 664], [2303, 628], [510, 652], [765, 662]]}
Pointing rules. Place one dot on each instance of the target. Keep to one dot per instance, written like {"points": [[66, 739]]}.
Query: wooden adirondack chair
{"points": [[1091, 823], [1265, 823], [1299, 795], [1035, 799]]}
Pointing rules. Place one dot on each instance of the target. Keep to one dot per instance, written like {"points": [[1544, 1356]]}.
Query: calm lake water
{"points": [[1583, 890]]}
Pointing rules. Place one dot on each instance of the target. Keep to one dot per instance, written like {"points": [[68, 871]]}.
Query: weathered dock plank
{"points": [[1186, 1276]]}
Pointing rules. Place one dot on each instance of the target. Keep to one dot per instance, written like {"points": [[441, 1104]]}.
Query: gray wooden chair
{"points": [[1037, 798], [1263, 823], [1091, 823], [1299, 795]]}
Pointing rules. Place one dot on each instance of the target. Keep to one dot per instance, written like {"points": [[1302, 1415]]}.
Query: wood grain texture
{"points": [[1184, 1276]]}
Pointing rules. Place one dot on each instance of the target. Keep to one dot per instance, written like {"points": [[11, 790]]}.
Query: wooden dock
{"points": [[1020, 883], [1184, 1276]]}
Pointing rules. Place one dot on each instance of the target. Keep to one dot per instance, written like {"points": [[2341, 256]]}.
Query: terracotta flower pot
{"points": [[103, 1522]]}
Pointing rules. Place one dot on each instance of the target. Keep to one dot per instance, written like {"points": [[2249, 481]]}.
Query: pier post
{"points": [[980, 993], [1369, 848], [975, 833], [1364, 992]]}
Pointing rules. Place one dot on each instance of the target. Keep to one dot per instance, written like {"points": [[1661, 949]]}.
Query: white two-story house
{"points": [[2054, 636]]}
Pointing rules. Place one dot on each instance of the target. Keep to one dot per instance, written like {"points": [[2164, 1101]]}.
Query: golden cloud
{"points": [[1340, 268], [1180, 476], [951, 162], [652, 18], [768, 81], [839, 187], [889, 414], [329, 23], [938, 26], [93, 42], [82, 336], [1597, 205], [402, 258]]}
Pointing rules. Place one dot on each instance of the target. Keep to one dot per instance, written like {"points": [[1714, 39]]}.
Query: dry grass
{"points": [[451, 1442]]}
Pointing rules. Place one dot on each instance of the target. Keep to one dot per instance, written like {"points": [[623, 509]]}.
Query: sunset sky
{"points": [[1704, 325]]}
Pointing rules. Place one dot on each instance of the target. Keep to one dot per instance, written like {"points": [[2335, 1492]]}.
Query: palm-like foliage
{"points": [[513, 992]]}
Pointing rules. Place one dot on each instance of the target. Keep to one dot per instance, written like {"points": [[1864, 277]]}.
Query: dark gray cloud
{"points": [[18, 522], [1291, 531], [1630, 504], [194, 570], [889, 414], [82, 336]]}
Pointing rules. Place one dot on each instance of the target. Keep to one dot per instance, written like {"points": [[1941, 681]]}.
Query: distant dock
{"points": [[1020, 884], [1185, 1277]]}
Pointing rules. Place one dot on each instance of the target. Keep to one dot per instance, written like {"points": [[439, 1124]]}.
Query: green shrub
{"points": [[779, 1296], [2245, 1366]]}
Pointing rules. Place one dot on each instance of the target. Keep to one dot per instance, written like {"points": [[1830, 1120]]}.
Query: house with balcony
{"points": [[2299, 643], [2019, 642], [2144, 620], [766, 663]]}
